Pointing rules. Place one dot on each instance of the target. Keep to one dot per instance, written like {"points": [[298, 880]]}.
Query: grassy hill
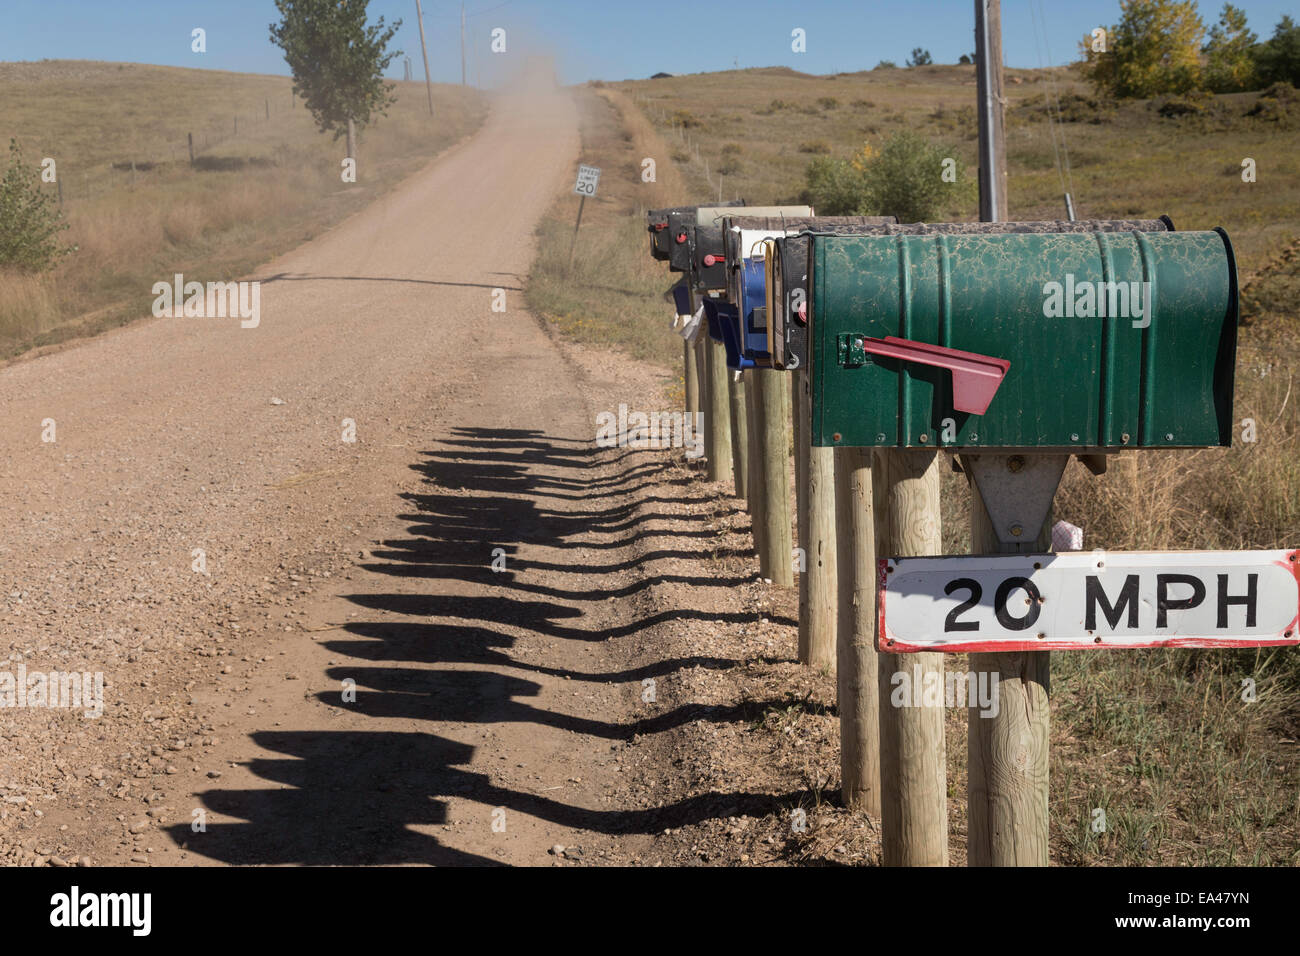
{"points": [[264, 178]]}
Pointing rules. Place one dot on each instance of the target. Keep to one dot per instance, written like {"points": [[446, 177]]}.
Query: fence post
{"points": [[913, 774], [702, 376], [691, 378], [817, 519], [719, 466], [773, 451], [757, 494], [1008, 751], [739, 436], [857, 697]]}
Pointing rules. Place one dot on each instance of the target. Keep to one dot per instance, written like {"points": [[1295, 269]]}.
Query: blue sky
{"points": [[589, 39]]}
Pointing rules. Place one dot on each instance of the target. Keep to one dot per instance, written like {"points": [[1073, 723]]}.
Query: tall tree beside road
{"points": [[338, 62]]}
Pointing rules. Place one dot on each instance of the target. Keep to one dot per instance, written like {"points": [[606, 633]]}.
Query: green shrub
{"points": [[828, 102], [904, 179], [834, 187], [819, 146], [29, 218]]}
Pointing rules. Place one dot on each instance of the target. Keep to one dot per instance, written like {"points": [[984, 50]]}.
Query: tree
{"points": [[1230, 54], [1278, 58], [29, 220], [1155, 49], [337, 61], [966, 59], [919, 57]]}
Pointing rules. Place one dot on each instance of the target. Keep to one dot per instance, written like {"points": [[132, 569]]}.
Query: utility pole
{"points": [[462, 44], [992, 133], [428, 83]]}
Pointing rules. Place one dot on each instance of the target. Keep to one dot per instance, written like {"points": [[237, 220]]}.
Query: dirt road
{"points": [[308, 654]]}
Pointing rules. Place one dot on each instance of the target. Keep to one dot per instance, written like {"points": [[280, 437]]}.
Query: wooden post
{"points": [[757, 494], [719, 439], [739, 435], [913, 774], [817, 645], [801, 447], [690, 377], [190, 138], [773, 403], [857, 690], [702, 378], [1007, 752], [424, 51], [815, 499], [268, 108]]}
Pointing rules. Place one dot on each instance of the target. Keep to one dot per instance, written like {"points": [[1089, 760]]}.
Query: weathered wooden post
{"points": [[819, 582], [690, 376], [773, 451], [1007, 752], [913, 769], [739, 435], [719, 437], [856, 669], [699, 347], [755, 483]]}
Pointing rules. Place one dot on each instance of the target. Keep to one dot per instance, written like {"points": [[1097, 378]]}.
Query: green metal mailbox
{"points": [[1065, 341]]}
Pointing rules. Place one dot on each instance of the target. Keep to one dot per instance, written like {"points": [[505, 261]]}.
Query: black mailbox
{"points": [[658, 221]]}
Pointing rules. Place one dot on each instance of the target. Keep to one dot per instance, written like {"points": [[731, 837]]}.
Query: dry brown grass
{"points": [[248, 197]]}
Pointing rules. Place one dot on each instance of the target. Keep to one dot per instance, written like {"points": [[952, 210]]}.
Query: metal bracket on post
{"points": [[1017, 490]]}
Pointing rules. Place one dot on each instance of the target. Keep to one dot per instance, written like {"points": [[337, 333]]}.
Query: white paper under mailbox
{"points": [[1039, 602], [588, 178]]}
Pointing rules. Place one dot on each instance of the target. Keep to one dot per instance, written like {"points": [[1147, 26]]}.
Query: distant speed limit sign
{"points": [[588, 177]]}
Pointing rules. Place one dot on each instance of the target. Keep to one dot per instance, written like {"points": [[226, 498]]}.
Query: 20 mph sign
{"points": [[588, 177], [1038, 602]]}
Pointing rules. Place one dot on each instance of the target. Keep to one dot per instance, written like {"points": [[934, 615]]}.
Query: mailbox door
{"points": [[1076, 379], [786, 321], [708, 267], [753, 310], [681, 235]]}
